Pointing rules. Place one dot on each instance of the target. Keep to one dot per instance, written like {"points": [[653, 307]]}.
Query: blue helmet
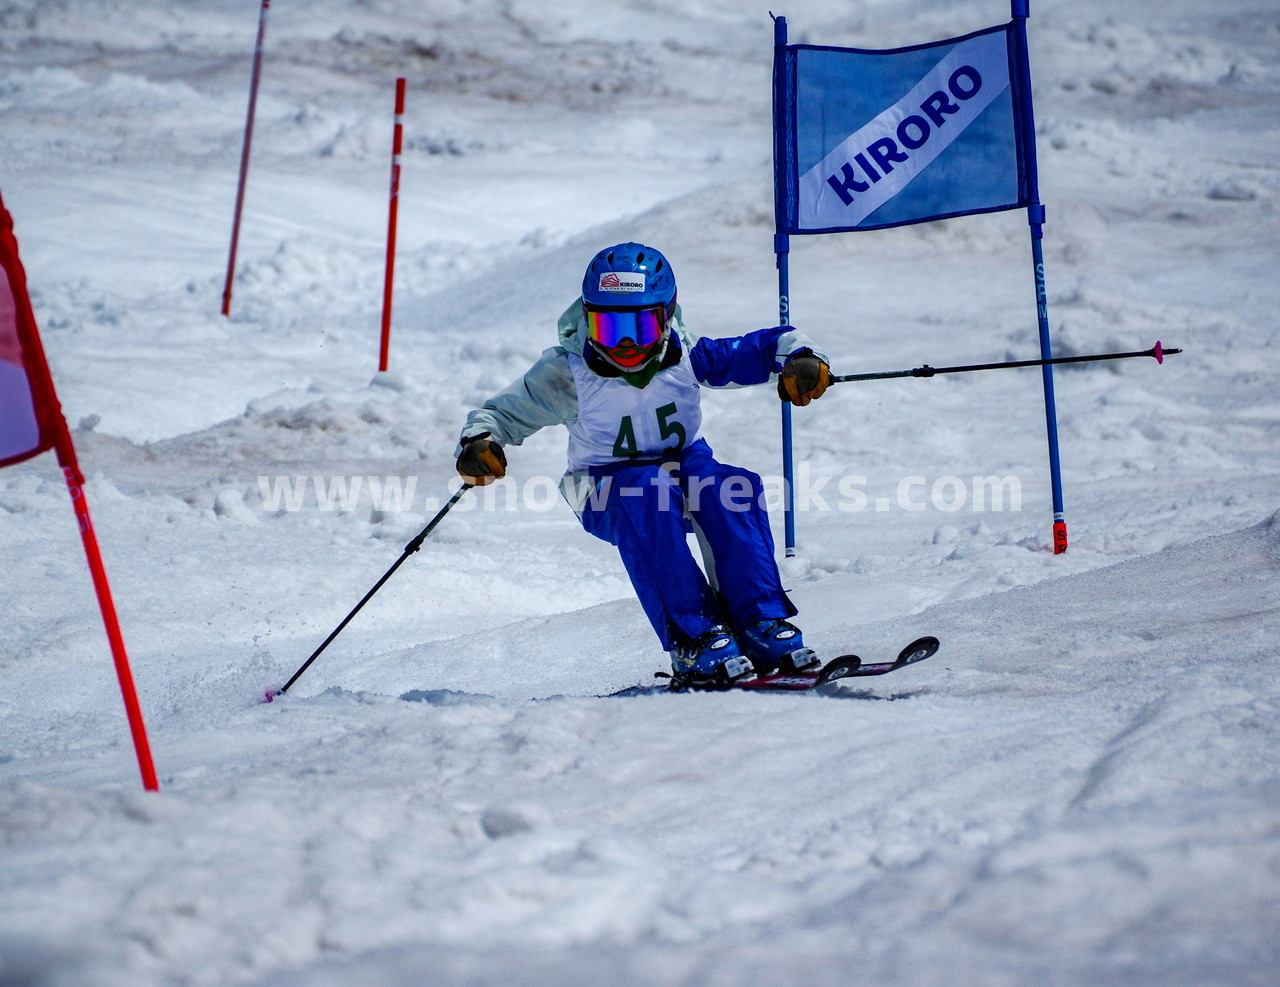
{"points": [[629, 276], [628, 299]]}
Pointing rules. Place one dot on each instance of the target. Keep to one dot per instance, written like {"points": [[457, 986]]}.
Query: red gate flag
{"points": [[31, 422], [28, 407]]}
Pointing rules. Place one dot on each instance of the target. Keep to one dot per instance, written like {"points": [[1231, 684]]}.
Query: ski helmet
{"points": [[628, 297]]}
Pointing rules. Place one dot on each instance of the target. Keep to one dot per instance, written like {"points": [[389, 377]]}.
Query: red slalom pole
{"points": [[244, 156], [397, 144], [18, 325], [75, 484]]}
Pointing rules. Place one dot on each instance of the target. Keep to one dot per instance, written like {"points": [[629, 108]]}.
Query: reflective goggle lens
{"points": [[643, 328]]}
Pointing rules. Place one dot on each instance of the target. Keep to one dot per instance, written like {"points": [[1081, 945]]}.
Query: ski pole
{"points": [[409, 549], [1157, 351]]}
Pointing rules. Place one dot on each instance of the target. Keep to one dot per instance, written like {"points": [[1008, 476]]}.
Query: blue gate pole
{"points": [[1035, 218], [782, 248]]}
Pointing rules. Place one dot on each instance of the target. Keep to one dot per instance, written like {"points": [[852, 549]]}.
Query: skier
{"points": [[626, 379]]}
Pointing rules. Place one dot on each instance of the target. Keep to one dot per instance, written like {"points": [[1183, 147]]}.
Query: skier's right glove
{"points": [[804, 379], [482, 460]]}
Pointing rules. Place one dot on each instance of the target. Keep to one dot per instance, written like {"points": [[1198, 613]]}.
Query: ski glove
{"points": [[482, 460], [803, 379]]}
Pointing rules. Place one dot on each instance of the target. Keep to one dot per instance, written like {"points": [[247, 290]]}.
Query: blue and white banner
{"points": [[871, 139]]}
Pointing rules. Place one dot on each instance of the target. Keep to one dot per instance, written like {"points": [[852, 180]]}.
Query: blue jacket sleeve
{"points": [[745, 360]]}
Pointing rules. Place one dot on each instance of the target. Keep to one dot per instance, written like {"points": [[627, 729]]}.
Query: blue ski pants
{"points": [[641, 506]]}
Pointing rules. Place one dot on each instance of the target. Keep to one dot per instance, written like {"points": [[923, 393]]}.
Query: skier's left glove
{"points": [[482, 460], [804, 378]]}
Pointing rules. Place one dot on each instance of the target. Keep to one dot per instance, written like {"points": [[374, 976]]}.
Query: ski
{"points": [[842, 667], [837, 668]]}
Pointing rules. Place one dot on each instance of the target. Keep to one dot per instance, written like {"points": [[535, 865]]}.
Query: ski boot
{"points": [[712, 660], [777, 644]]}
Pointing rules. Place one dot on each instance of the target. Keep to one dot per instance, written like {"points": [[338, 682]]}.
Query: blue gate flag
{"points": [[869, 139]]}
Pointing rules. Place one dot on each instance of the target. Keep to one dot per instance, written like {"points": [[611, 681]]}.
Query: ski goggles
{"points": [[643, 327]]}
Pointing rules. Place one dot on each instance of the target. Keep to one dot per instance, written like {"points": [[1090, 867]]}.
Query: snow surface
{"points": [[1080, 788]]}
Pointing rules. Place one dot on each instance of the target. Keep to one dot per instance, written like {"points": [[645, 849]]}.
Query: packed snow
{"points": [[1080, 788]]}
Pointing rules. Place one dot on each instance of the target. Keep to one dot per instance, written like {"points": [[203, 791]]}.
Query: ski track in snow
{"points": [[1080, 788]]}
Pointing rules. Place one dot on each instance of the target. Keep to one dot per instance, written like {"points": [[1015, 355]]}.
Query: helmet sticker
{"points": [[622, 282]]}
